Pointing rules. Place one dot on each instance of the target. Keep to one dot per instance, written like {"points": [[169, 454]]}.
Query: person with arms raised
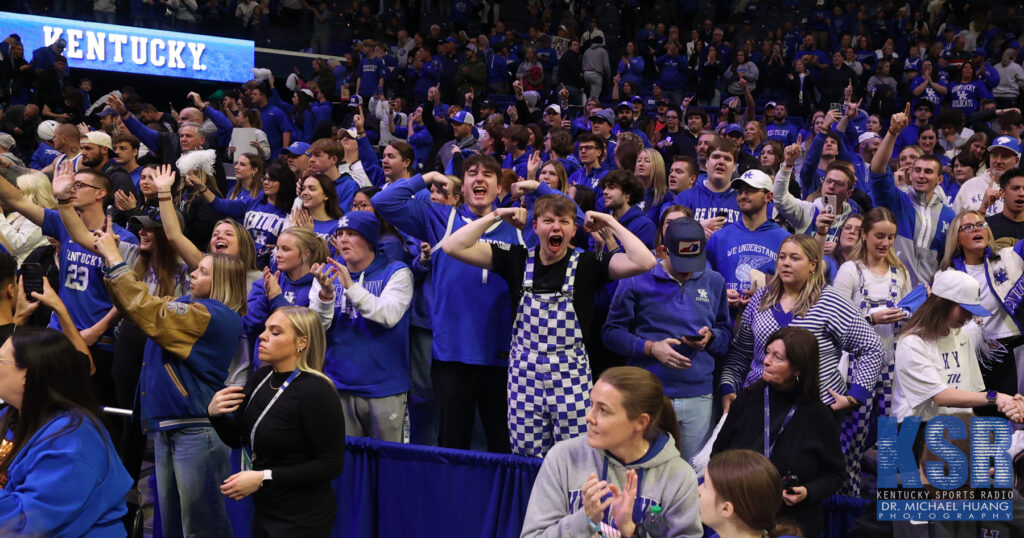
{"points": [[549, 371], [470, 311], [192, 340], [81, 273], [922, 215]]}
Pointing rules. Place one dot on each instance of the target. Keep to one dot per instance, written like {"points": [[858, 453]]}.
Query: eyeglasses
{"points": [[836, 182], [970, 227], [79, 185], [667, 117], [588, 148]]}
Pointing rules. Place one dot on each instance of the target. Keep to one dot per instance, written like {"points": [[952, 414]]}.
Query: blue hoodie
{"points": [[735, 249], [655, 306], [43, 156], [783, 132], [364, 357], [639, 225], [920, 243], [67, 481], [470, 313], [293, 293], [705, 203]]}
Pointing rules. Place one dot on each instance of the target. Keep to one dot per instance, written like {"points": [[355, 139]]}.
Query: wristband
{"points": [[596, 527], [167, 198], [158, 193]]}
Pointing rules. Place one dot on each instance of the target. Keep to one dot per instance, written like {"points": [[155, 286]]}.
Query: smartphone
{"points": [[723, 214], [835, 106], [831, 203], [32, 277], [694, 337]]}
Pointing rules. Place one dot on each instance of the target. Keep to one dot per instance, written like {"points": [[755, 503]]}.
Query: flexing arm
{"points": [[464, 244], [635, 259]]}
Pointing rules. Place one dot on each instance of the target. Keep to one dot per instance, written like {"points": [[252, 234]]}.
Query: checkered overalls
{"points": [[549, 375]]}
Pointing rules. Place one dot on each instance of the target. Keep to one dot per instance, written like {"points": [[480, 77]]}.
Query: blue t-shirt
{"points": [[275, 124], [81, 278], [370, 74]]}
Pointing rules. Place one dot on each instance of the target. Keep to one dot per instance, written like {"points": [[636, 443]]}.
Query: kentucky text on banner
{"points": [[108, 47]]}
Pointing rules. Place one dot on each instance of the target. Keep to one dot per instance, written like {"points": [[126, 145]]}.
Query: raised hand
{"points": [[105, 242], [64, 180], [622, 501], [359, 121], [853, 109], [324, 274], [164, 178], [792, 152], [344, 275], [117, 104], [899, 121], [533, 165]]}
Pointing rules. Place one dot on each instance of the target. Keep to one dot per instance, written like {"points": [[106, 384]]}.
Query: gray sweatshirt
{"points": [[596, 59], [663, 478]]}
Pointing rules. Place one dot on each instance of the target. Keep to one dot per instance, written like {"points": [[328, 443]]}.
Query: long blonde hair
{"points": [[953, 248], [307, 323], [860, 251], [37, 188], [659, 177], [811, 291], [228, 284]]}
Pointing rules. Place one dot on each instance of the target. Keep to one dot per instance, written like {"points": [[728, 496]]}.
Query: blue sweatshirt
{"points": [[293, 293], [470, 308], [263, 219], [920, 242], [364, 357], [275, 124], [81, 277], [591, 179], [673, 74], [735, 249], [639, 225], [783, 132], [706, 203], [67, 481], [655, 306], [346, 188], [43, 156]]}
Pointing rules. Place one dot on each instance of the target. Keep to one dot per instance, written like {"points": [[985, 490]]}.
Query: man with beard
{"points": [[780, 128], [551, 282], [96, 149], [624, 123], [749, 243], [982, 192]]}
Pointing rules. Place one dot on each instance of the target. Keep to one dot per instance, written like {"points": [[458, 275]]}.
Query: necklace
{"points": [[272, 382]]}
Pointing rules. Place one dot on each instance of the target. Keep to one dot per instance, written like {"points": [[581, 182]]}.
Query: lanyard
{"points": [[769, 446], [252, 433]]}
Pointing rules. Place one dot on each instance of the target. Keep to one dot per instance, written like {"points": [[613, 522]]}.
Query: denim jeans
{"points": [[694, 417], [191, 464]]}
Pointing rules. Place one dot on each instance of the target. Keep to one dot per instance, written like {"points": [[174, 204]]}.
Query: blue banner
{"points": [[126, 49]]}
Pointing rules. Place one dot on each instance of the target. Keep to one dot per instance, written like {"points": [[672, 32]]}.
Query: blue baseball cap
{"points": [[980, 52], [355, 101], [624, 104], [462, 116], [1006, 142], [297, 148], [685, 241], [603, 114], [364, 223], [733, 128]]}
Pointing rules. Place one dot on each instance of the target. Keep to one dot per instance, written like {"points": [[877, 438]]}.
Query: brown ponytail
{"points": [[642, 393]]}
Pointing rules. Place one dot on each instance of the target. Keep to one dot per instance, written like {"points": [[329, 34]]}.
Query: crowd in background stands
{"points": [[459, 220]]}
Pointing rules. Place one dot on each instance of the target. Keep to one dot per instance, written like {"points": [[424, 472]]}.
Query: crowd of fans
{"points": [[789, 229]]}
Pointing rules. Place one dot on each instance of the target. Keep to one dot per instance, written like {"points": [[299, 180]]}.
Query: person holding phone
{"points": [[876, 280], [671, 320], [781, 416], [827, 212]]}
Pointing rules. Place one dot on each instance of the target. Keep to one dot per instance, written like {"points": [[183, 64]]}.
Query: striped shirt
{"points": [[838, 326]]}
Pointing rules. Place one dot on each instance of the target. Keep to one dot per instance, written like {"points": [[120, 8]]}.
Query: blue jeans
{"points": [[694, 417], [191, 463]]}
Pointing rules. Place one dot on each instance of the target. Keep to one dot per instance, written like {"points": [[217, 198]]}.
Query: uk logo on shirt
{"points": [[702, 296]]}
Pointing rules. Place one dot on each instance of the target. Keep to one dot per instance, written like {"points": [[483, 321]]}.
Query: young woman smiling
{"points": [[319, 212], [970, 248], [627, 460], [798, 296], [248, 171], [876, 280]]}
